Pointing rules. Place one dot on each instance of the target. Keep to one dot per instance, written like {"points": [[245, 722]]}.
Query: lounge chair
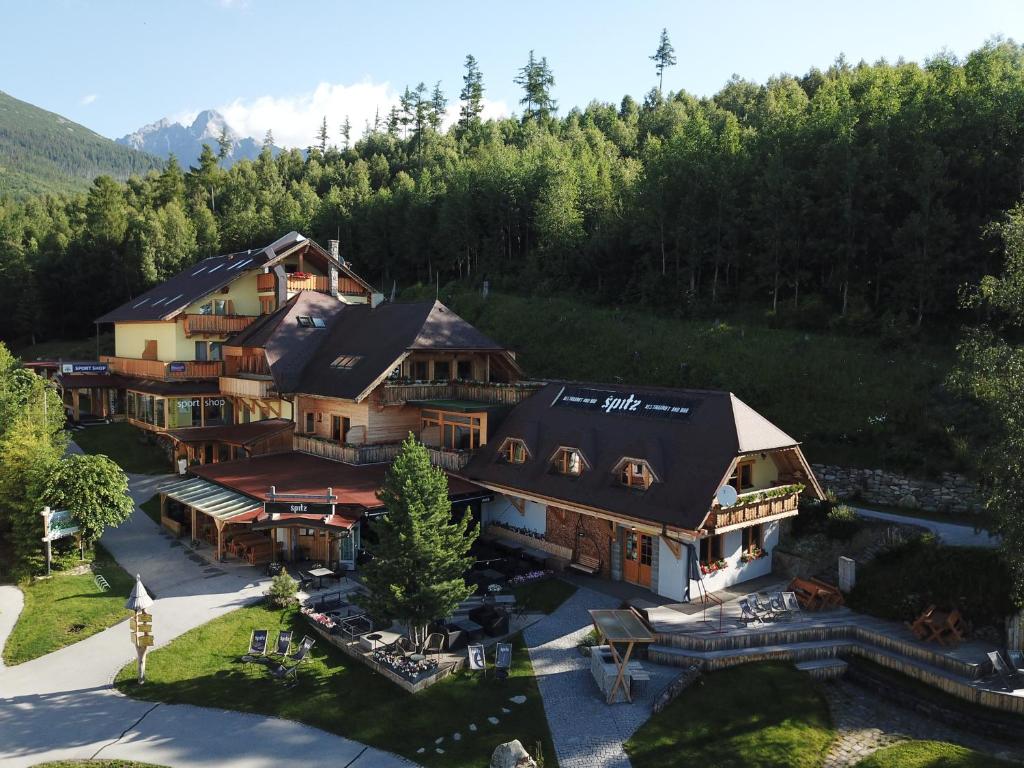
{"points": [[1016, 660], [778, 606], [257, 646], [747, 612], [303, 650], [502, 660], [763, 611], [1011, 677], [792, 604], [284, 644]]}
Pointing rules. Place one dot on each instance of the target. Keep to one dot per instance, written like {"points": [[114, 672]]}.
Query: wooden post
{"points": [[163, 507], [220, 539], [193, 509]]}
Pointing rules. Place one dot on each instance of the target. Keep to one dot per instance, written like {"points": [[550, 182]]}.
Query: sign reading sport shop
{"points": [[660, 406]]}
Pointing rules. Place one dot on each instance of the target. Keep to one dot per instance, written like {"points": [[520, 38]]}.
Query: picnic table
{"points": [[623, 628], [321, 574], [944, 627]]}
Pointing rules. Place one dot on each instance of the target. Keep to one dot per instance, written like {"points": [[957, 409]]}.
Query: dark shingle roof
{"points": [[689, 452], [195, 282]]}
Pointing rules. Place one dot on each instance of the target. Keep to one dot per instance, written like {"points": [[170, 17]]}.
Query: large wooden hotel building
{"points": [[282, 384]]}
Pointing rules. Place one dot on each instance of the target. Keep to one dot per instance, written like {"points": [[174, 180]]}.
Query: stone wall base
{"points": [[952, 493]]}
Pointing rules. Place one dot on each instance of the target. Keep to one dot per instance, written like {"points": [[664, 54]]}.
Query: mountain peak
{"points": [[164, 138]]}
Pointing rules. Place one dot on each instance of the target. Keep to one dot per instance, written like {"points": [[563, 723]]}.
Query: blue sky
{"points": [[115, 66]]}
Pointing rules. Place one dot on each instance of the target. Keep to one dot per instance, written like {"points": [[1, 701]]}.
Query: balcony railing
{"points": [[218, 324], [303, 282], [158, 369], [757, 505], [265, 282], [259, 387], [398, 393], [452, 461]]}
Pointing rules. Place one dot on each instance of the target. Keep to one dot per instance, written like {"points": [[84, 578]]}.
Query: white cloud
{"points": [[88, 99], [295, 120]]}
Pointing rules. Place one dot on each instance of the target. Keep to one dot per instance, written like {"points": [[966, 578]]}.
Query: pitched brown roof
{"points": [[689, 437]]}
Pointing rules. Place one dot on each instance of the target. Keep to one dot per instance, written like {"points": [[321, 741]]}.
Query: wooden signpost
{"points": [[140, 625]]}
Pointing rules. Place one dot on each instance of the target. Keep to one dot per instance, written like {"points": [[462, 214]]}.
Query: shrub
{"points": [[283, 589], [841, 522], [903, 580]]}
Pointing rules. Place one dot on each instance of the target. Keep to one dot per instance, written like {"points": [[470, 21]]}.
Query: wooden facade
{"points": [[159, 369]]}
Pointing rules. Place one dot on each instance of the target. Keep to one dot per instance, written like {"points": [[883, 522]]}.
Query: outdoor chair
{"points": [[403, 646], [920, 627], [305, 580], [287, 672], [303, 650], [257, 646], [434, 644], [763, 612], [747, 613], [792, 604], [340, 573], [1016, 660], [284, 644], [502, 660], [1011, 677], [778, 606]]}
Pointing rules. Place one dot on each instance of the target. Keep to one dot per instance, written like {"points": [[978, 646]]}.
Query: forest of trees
{"points": [[854, 197]]}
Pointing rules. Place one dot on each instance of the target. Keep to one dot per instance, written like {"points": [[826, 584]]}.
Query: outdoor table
{"points": [[373, 638], [622, 627], [320, 574], [471, 628]]}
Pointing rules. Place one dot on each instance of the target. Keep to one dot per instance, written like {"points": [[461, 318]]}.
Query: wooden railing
{"points": [[158, 369], [309, 283], [220, 324], [756, 509], [451, 461], [246, 386], [265, 282], [396, 393]]}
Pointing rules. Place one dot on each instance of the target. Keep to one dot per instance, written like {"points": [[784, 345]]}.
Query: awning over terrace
{"points": [[214, 500]]}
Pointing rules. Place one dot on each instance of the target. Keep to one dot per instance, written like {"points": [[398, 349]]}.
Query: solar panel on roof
{"points": [[140, 303], [198, 271], [159, 301], [240, 264], [214, 269], [171, 301]]}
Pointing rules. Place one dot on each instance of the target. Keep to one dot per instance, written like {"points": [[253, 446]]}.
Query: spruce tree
{"points": [[438, 105], [321, 135], [664, 57], [345, 132], [421, 553], [471, 96], [536, 79], [223, 143]]}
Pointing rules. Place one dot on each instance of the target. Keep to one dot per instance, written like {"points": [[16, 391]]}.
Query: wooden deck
{"points": [[688, 634]]}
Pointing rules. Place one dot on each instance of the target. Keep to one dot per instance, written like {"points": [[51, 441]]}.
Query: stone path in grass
{"points": [[62, 706], [866, 723], [587, 732]]}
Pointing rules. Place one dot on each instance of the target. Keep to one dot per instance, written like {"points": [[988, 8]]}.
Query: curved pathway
{"points": [[11, 602], [62, 706], [948, 533]]}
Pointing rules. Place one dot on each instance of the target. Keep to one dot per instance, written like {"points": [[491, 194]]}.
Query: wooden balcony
{"points": [[258, 387], [451, 461], [397, 393], [158, 369], [304, 282], [223, 325], [757, 506], [265, 282]]}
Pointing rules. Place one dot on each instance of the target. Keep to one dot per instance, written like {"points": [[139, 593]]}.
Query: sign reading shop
{"points": [[297, 508], [662, 406], [84, 368]]}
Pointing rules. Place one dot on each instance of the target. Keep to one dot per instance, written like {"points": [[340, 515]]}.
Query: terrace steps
{"points": [[823, 669]]}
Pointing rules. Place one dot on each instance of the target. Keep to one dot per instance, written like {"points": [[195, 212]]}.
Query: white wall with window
{"points": [[735, 548], [672, 571], [506, 510]]}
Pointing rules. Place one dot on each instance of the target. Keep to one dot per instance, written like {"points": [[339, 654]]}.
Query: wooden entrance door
{"points": [[637, 556]]}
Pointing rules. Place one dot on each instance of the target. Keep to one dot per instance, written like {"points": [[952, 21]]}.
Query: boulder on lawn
{"points": [[512, 755]]}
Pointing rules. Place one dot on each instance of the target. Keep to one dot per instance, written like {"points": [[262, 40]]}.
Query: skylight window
{"points": [[318, 322], [346, 361], [305, 321]]}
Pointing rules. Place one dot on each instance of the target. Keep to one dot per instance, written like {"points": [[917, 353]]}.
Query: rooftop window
{"points": [[306, 321], [568, 461], [318, 322], [346, 361], [513, 450], [635, 473]]}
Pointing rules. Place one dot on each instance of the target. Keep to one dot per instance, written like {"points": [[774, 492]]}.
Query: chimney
{"points": [[332, 248]]}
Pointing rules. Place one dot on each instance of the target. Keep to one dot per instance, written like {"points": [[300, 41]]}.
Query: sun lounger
{"points": [[1011, 677], [1016, 660], [286, 672], [763, 612], [284, 644], [257, 646], [747, 613], [778, 605], [502, 660], [792, 604]]}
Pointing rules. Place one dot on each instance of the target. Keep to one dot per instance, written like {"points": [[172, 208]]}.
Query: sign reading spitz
{"points": [[606, 401]]}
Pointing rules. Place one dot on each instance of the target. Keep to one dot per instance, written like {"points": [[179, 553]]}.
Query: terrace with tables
{"points": [[748, 624]]}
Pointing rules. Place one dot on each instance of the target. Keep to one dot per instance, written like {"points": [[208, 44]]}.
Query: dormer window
{"points": [[636, 473], [513, 451], [346, 361], [568, 461]]}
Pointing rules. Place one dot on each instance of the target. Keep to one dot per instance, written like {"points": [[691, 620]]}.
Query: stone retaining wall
{"points": [[952, 493]]}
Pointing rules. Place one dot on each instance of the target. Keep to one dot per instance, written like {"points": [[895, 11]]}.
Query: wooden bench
{"points": [[831, 597], [809, 594], [586, 564]]}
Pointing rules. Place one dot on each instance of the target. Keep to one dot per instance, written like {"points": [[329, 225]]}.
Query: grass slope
{"points": [[342, 696], [42, 152], [931, 754], [67, 608], [68, 349], [829, 391], [753, 716], [126, 445], [96, 764]]}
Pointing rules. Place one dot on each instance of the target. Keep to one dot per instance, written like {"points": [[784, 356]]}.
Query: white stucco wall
{"points": [[671, 571], [737, 571], [534, 516]]}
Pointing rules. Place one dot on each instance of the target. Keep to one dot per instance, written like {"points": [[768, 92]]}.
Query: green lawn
{"points": [[124, 444], [152, 508], [341, 695], [68, 349], [754, 716], [543, 596], [96, 764], [64, 609], [931, 754]]}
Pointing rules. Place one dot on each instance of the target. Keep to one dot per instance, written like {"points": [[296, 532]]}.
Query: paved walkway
{"points": [[62, 706], [865, 723], [948, 533], [11, 602], [587, 732]]}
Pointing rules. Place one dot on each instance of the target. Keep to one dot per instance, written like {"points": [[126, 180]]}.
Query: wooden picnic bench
{"points": [[830, 594], [943, 627], [814, 594], [586, 564]]}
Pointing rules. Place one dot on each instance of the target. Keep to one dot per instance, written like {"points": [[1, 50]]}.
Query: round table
{"points": [[373, 640]]}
